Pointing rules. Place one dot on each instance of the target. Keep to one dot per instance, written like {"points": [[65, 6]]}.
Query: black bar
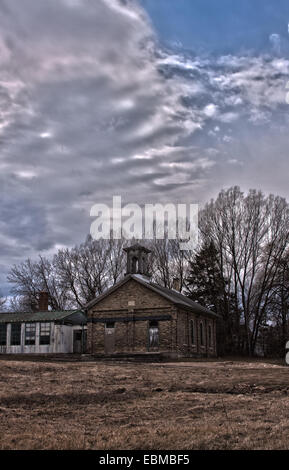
{"points": [[129, 319]]}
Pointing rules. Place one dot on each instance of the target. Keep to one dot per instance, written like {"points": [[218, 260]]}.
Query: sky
{"points": [[152, 100]]}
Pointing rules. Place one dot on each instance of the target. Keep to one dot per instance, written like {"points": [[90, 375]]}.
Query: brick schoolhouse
{"points": [[137, 316]]}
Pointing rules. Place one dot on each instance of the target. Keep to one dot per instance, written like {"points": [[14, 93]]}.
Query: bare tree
{"points": [[2, 301], [251, 234], [168, 261], [76, 276], [85, 271], [31, 277], [72, 278], [278, 303]]}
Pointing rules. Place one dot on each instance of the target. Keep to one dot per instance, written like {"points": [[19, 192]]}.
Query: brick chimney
{"points": [[43, 301], [177, 284]]}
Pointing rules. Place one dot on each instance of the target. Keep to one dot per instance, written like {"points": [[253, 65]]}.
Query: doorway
{"points": [[79, 341]]}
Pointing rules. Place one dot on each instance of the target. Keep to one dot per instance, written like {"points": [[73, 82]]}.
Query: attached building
{"points": [[43, 332]]}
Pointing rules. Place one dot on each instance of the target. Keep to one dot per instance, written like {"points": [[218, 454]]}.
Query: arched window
{"points": [[134, 264], [202, 334], [193, 339], [210, 336]]}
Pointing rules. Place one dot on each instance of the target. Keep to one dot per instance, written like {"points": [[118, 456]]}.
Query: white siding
{"points": [[61, 341]]}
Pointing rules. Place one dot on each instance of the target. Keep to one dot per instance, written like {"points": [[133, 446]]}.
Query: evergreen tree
{"points": [[207, 286]]}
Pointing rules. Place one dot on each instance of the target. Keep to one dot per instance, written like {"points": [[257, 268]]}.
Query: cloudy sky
{"points": [[153, 100]]}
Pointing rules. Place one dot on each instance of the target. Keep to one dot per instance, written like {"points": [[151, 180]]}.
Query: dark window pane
{"points": [[192, 332], [202, 334], [210, 336], [3, 334], [15, 334]]}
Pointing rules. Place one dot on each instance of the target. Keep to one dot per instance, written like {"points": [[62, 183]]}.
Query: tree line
{"points": [[239, 270]]}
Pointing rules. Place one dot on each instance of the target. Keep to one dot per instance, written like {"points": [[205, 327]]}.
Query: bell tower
{"points": [[137, 260]]}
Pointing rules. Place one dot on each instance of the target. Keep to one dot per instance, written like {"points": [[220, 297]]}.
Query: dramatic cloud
{"points": [[91, 106]]}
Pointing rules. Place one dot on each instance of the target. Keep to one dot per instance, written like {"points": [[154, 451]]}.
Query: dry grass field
{"points": [[188, 405]]}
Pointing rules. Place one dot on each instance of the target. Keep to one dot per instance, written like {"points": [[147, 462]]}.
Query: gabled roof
{"points": [[73, 317], [170, 294]]}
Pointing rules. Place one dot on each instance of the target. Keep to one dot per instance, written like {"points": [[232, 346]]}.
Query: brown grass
{"points": [[189, 405]]}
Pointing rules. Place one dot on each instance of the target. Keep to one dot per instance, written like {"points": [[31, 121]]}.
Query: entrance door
{"points": [[109, 338], [79, 341]]}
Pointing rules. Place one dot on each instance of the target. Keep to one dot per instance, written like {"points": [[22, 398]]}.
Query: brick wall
{"points": [[174, 334], [130, 291], [185, 346]]}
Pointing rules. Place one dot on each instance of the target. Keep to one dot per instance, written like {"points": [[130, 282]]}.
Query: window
{"points": [[210, 336], [109, 324], [30, 330], [202, 333], [134, 265], [3, 334], [153, 335], [78, 335], [192, 332], [45, 331], [15, 334]]}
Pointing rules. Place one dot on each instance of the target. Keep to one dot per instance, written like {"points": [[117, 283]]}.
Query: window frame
{"points": [[46, 326], [202, 336], [210, 335], [193, 333], [154, 339], [30, 328]]}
